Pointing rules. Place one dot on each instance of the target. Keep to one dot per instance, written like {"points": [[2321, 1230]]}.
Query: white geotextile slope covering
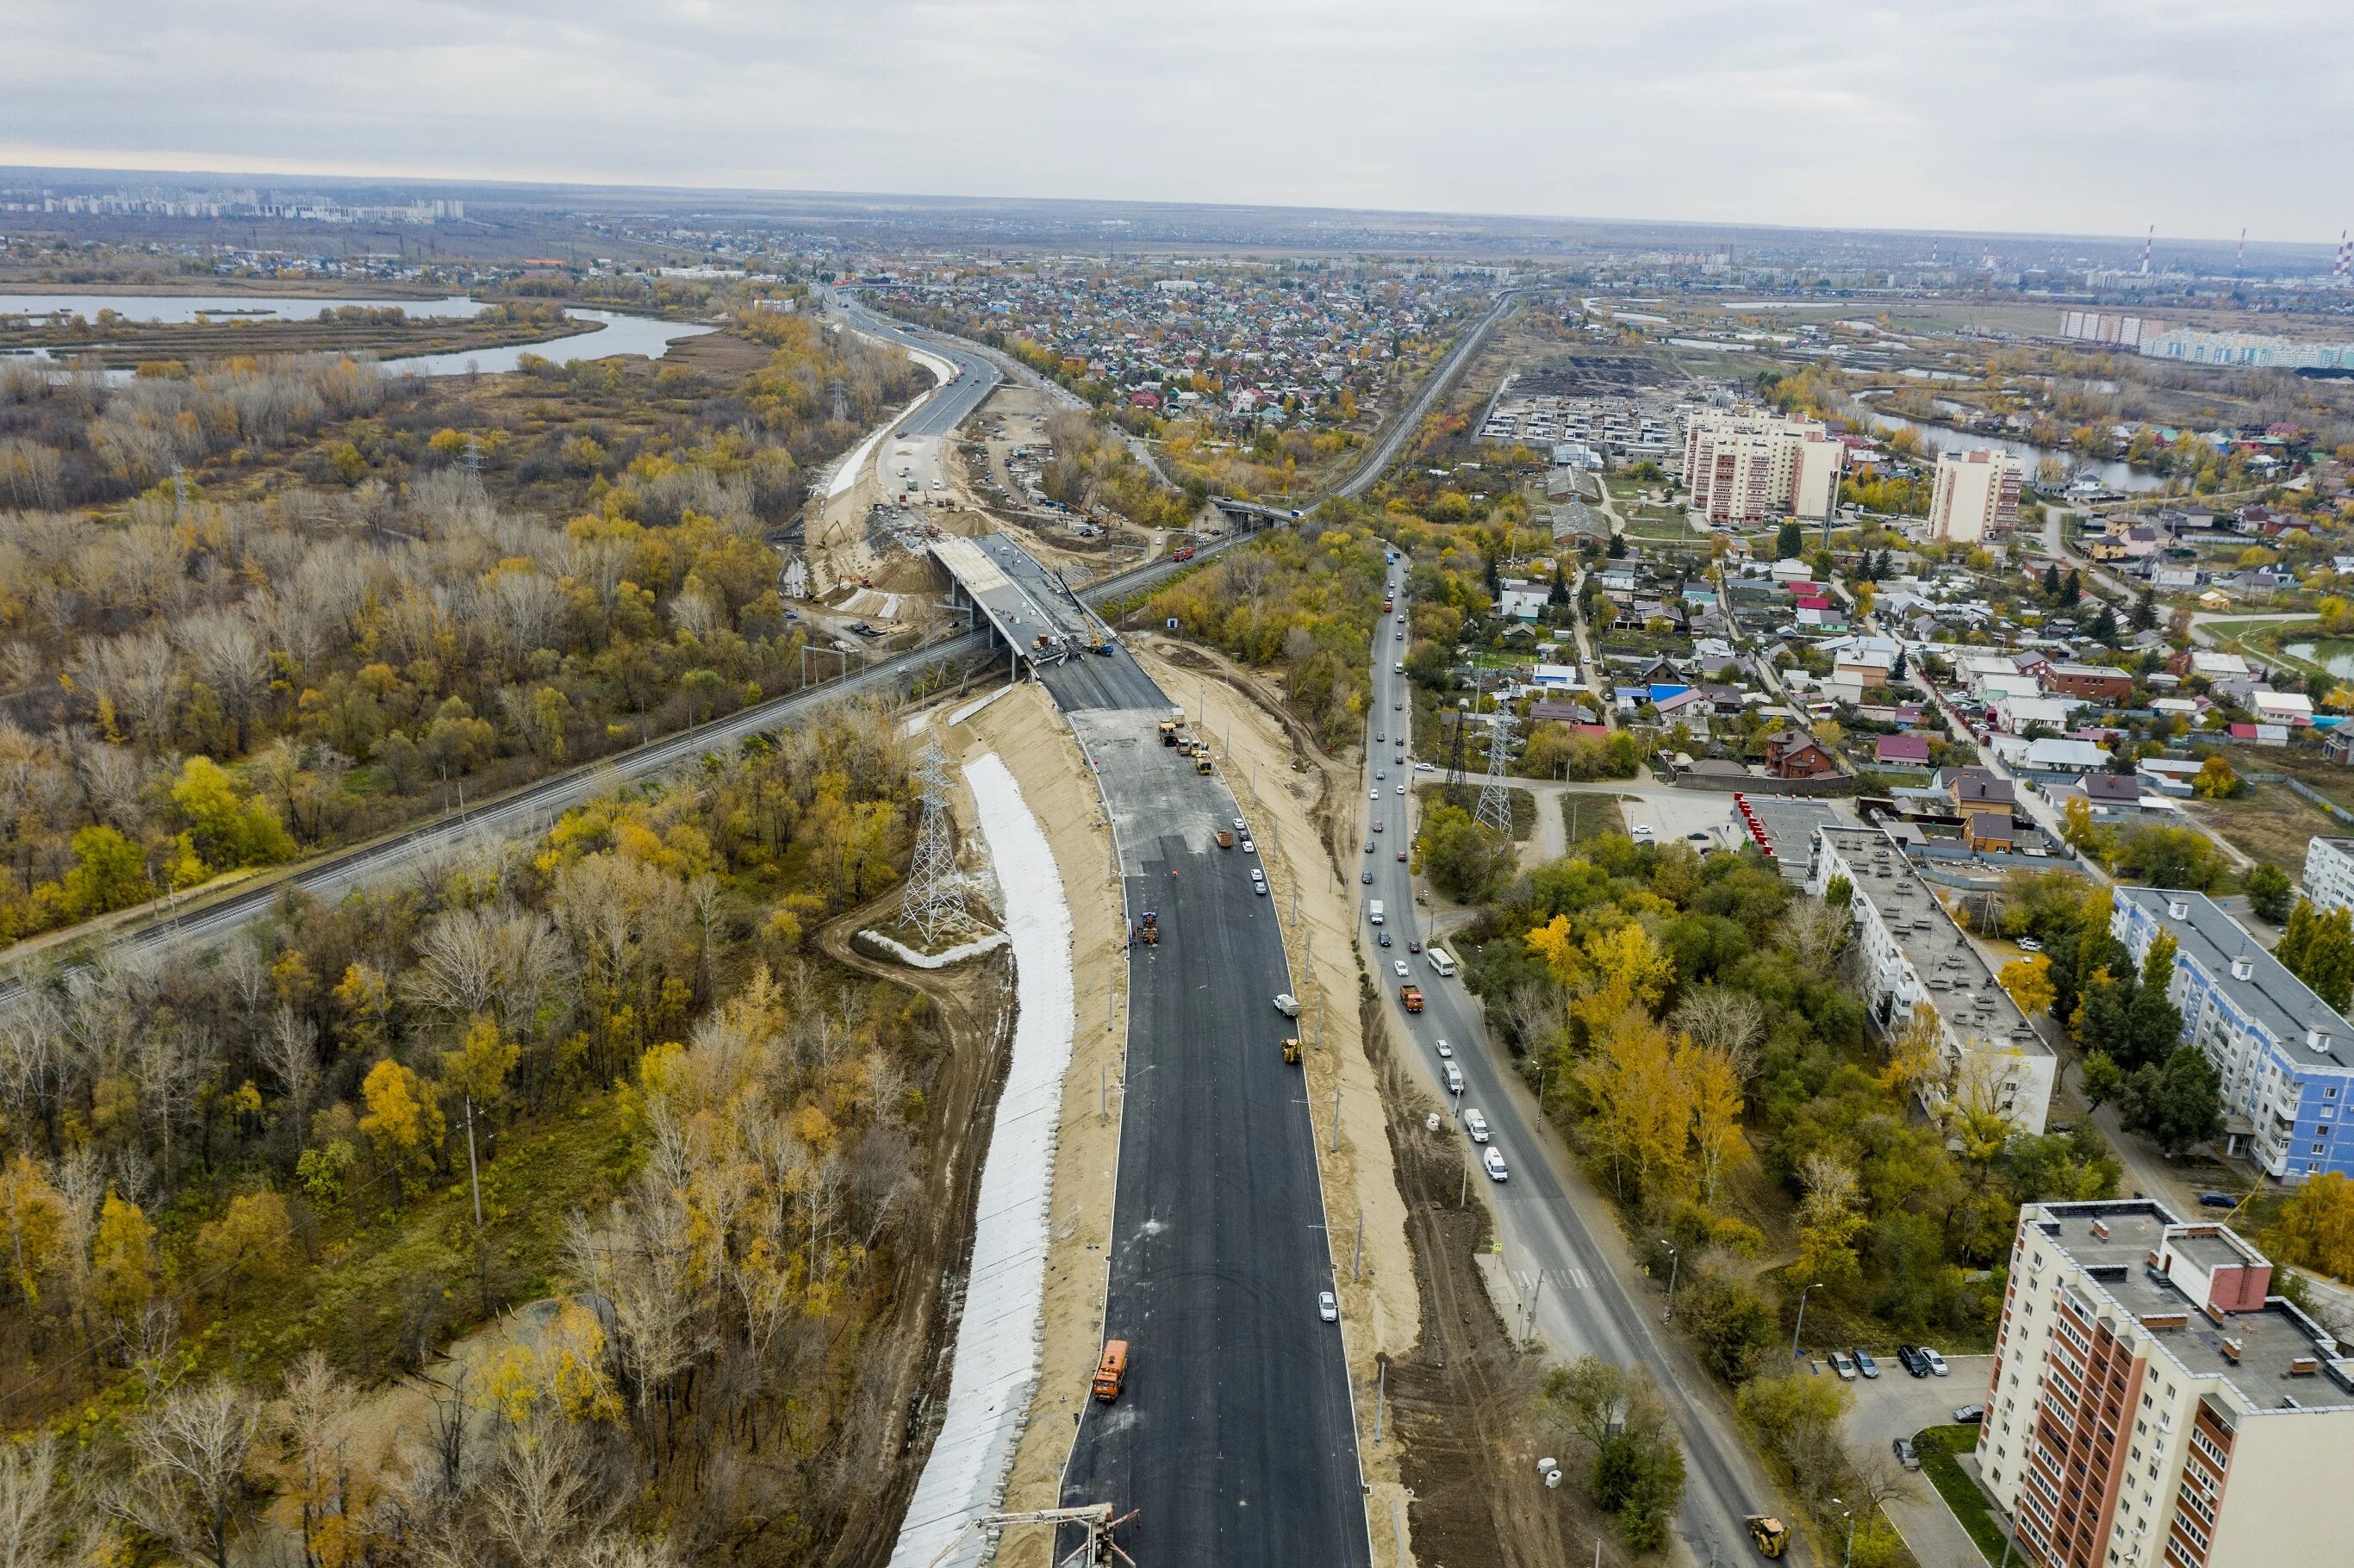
{"points": [[996, 1342]]}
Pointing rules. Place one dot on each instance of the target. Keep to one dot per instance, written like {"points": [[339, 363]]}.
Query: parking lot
{"points": [[1897, 1404]]}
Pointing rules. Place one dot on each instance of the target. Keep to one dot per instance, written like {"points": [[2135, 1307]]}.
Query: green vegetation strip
{"points": [[1938, 1445]]}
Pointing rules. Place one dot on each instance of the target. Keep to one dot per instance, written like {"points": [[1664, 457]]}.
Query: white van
{"points": [[1373, 910], [1476, 1124], [1442, 961], [1454, 1077]]}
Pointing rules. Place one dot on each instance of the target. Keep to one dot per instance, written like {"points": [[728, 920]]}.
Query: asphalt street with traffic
{"points": [[1235, 1438], [1580, 1305]]}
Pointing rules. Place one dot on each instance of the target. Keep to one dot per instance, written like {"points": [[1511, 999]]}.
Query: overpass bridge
{"points": [[1028, 609]]}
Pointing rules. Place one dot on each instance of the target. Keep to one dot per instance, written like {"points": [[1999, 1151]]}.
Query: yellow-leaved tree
{"points": [[402, 1122], [1642, 1108], [2028, 978]]}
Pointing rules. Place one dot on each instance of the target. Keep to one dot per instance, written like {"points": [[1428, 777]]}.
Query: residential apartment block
{"points": [[1913, 952], [1976, 495], [2329, 873], [2285, 1057], [1747, 467], [2152, 1404]]}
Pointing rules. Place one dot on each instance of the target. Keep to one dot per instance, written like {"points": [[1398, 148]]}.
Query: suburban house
{"points": [[1795, 754], [1901, 751], [2094, 682]]}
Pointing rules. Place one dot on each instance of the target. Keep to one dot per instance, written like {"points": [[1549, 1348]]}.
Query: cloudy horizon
{"points": [[1988, 116]]}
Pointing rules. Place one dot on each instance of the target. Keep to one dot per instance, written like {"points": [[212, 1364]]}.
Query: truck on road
{"points": [[1373, 910], [1111, 1372], [1291, 1050], [1412, 996], [1149, 932], [1168, 732]]}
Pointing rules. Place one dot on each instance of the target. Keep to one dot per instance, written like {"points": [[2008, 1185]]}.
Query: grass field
{"points": [[1524, 804], [2270, 821], [1938, 1445], [1591, 816]]}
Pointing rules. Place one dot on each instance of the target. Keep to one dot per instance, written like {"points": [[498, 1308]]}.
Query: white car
{"points": [[1377, 794], [1642, 833], [1326, 1308], [1241, 826], [1399, 965], [1249, 848], [1400, 789], [1476, 1124], [1843, 1364], [1445, 1050], [1938, 1366], [1493, 1162], [1425, 768]]}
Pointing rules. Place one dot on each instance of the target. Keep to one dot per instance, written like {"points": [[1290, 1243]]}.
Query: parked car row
{"points": [[1919, 1359]]}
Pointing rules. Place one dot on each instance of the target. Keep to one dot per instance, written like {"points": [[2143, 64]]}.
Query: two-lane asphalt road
{"points": [[1235, 1439], [1581, 1307]]}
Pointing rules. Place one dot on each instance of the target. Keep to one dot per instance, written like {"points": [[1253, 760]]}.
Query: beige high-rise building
{"points": [[1746, 466], [1976, 495], [2153, 1404]]}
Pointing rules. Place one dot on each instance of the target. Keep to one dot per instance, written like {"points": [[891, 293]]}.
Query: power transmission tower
{"points": [[934, 902], [472, 460], [179, 493], [1495, 801], [1454, 786]]}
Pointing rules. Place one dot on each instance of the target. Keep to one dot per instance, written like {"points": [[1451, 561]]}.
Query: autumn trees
{"points": [[187, 1152], [214, 679]]}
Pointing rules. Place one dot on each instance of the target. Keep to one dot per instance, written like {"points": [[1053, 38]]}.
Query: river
{"points": [[2121, 476], [620, 332]]}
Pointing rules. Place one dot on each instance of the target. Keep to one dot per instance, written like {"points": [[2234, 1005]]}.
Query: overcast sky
{"points": [[2075, 116]]}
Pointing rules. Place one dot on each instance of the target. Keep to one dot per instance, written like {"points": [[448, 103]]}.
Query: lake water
{"points": [[181, 309], [621, 333], [2334, 654], [2118, 476]]}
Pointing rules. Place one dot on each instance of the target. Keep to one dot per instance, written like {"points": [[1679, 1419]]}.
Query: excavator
{"points": [[1149, 933]]}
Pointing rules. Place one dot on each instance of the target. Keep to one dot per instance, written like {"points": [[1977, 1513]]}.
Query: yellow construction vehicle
{"points": [[1202, 761], [1772, 1536], [1291, 1051], [1168, 732]]}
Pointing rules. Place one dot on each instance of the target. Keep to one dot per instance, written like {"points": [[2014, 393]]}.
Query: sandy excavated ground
{"points": [[1031, 738], [1381, 1305]]}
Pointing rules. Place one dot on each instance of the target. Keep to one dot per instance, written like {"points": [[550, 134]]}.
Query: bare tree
{"points": [[320, 1407], [189, 1451], [1815, 934], [291, 1050], [228, 656], [1724, 1019], [33, 1511]]}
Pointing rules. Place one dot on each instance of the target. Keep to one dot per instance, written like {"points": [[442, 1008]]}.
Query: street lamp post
{"points": [[1675, 1264], [1801, 1323]]}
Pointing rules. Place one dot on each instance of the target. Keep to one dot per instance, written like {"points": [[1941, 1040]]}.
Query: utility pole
{"points": [[1357, 1269]]}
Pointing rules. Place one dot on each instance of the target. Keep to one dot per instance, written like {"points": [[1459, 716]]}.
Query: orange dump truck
{"points": [[1112, 1370], [1412, 996]]}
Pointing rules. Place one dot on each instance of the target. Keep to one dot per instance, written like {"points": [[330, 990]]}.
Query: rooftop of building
{"points": [[1962, 987], [2258, 1353], [2284, 1005]]}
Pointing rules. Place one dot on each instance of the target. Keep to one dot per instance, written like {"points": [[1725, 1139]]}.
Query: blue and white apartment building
{"points": [[2286, 1057]]}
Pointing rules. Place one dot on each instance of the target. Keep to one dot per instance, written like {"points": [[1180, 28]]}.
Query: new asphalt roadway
{"points": [[1582, 1306], [1235, 1439]]}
